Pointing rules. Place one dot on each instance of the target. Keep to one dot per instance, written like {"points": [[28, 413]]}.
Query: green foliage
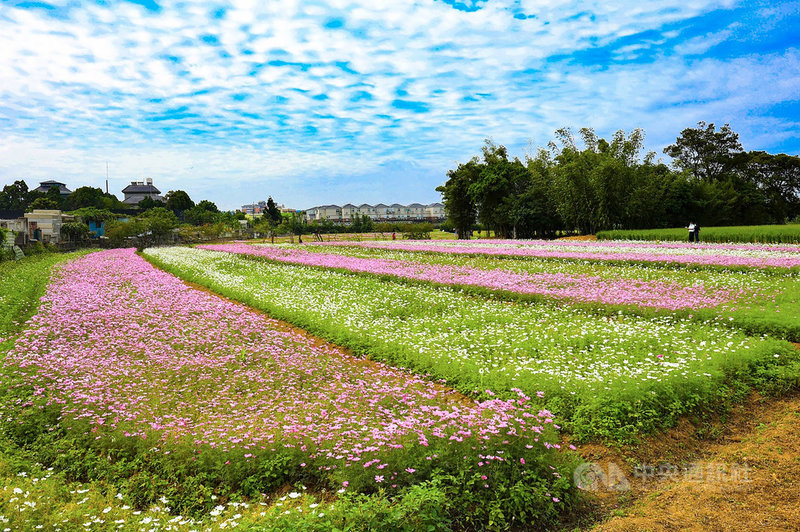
{"points": [[16, 196], [91, 198], [608, 184], [43, 204], [54, 195], [499, 180], [709, 155], [765, 234], [778, 178], [178, 201], [362, 224], [458, 202], [203, 213], [93, 214], [148, 203], [152, 227], [417, 231], [75, 231], [273, 213], [37, 248]]}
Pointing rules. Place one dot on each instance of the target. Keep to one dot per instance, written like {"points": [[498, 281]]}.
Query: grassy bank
{"points": [[764, 234]]}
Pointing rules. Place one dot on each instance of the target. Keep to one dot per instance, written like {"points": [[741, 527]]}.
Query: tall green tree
{"points": [[54, 195], [499, 180], [778, 179], [458, 204], [91, 197], [159, 223], [708, 154], [594, 186], [273, 212], [178, 201], [16, 196], [533, 210]]}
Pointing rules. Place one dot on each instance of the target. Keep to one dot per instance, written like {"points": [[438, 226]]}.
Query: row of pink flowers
{"points": [[582, 288], [646, 244], [738, 255], [130, 348]]}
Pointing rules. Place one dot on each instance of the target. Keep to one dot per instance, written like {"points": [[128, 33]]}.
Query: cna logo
{"points": [[592, 477]]}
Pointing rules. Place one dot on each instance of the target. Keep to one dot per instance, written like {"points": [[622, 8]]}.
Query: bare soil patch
{"points": [[743, 478], [581, 238]]}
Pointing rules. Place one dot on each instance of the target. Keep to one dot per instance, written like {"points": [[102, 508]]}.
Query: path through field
{"points": [[761, 442]]}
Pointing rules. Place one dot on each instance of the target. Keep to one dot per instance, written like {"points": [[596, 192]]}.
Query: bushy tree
{"points": [[54, 195], [148, 203], [778, 179], [499, 180], [204, 213], [91, 197], [707, 154], [16, 196], [178, 201], [92, 214], [45, 203], [459, 204], [75, 231]]}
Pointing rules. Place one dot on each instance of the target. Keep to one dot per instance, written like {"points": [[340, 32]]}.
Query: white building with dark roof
{"points": [[139, 190]]}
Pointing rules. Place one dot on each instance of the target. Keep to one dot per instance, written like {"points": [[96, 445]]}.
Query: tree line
{"points": [[149, 221], [593, 184]]}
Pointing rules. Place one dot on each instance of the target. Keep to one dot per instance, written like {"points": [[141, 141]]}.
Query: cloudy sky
{"points": [[371, 100]]}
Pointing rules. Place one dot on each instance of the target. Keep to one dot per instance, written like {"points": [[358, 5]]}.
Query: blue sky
{"points": [[374, 100]]}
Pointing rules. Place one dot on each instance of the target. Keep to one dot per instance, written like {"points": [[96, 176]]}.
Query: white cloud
{"points": [[93, 84]]}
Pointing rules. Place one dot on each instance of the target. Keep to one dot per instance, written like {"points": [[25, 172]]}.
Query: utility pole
{"points": [[106, 177]]}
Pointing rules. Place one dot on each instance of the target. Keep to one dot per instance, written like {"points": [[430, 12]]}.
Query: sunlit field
{"points": [[441, 388]]}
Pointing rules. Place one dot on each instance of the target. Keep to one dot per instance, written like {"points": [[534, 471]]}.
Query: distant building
{"points": [[254, 208], [139, 190], [261, 208], [416, 212], [44, 225], [45, 186]]}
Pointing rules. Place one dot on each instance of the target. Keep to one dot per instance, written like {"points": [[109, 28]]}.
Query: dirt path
{"points": [[744, 479]]}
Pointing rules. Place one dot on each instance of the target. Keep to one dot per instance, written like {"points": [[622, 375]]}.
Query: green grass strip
{"points": [[765, 234]]}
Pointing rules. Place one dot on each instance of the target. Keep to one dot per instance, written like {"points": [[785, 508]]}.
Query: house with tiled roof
{"points": [[139, 190], [45, 186]]}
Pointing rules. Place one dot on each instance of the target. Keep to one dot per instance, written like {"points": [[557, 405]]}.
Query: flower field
{"points": [[581, 288], [131, 362], [608, 375], [160, 391], [717, 255], [766, 300]]}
